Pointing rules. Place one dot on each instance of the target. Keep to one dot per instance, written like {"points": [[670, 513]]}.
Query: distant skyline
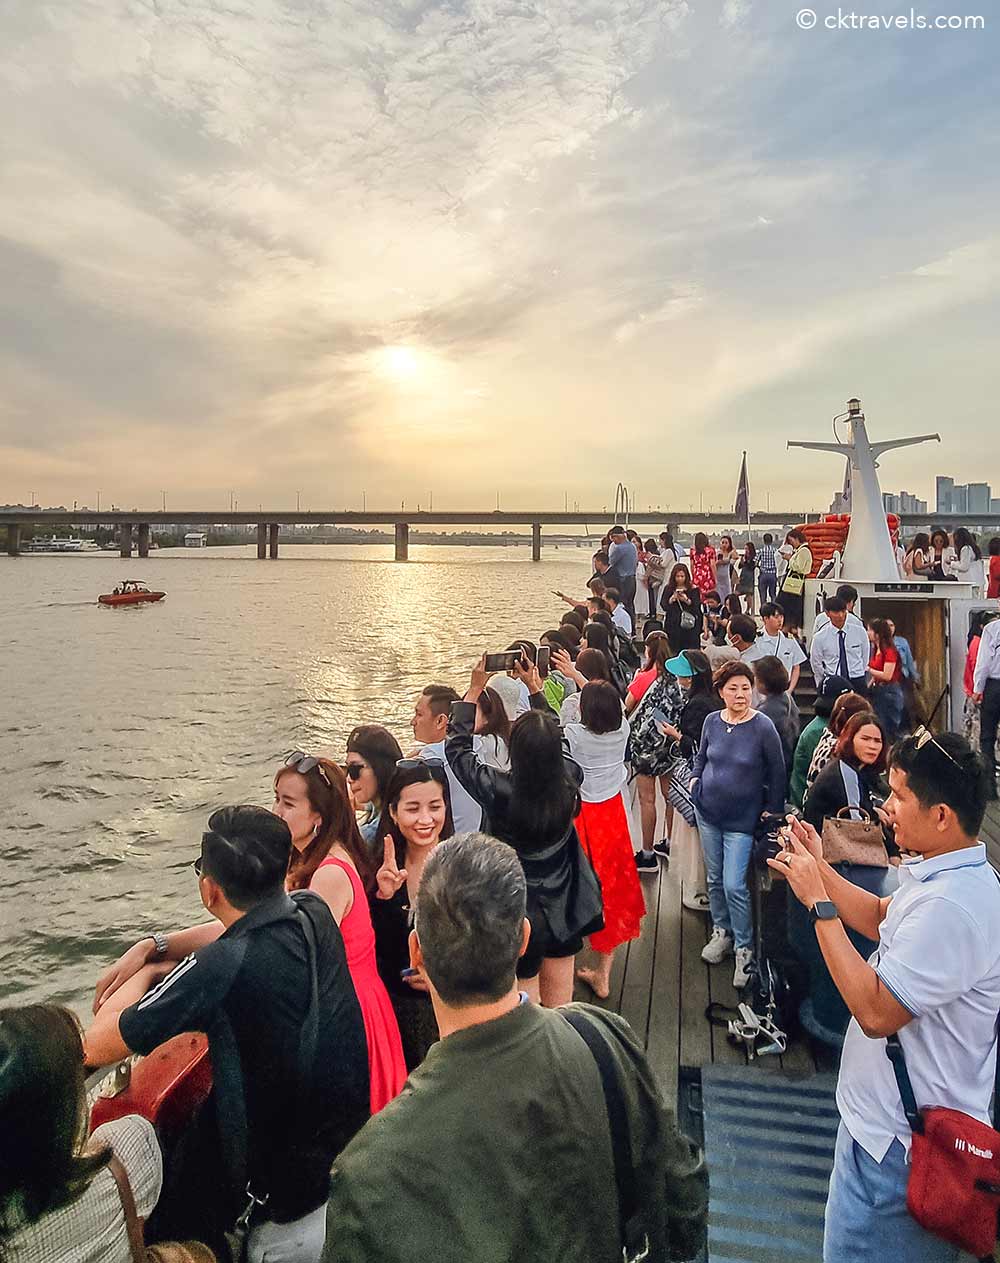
{"points": [[278, 248]]}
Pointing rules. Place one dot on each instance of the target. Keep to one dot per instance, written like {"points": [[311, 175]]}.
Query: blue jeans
{"points": [[727, 854], [866, 1216], [890, 706], [767, 586]]}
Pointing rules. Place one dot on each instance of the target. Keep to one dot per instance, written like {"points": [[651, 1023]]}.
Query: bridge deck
{"points": [[662, 987]]}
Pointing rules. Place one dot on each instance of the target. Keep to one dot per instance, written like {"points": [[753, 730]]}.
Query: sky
{"points": [[395, 250]]}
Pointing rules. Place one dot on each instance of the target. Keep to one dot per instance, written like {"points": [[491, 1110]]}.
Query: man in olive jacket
{"points": [[499, 1146]]}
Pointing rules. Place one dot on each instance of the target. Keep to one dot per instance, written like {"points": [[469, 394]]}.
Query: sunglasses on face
{"points": [[305, 763], [353, 770]]}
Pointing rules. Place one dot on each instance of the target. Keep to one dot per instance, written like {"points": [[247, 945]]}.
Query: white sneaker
{"points": [[744, 959], [718, 947]]}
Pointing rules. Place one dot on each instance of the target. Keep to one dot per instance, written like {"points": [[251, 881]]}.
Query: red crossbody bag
{"points": [[954, 1186]]}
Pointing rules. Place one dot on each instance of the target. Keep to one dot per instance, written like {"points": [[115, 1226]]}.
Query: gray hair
{"points": [[470, 918]]}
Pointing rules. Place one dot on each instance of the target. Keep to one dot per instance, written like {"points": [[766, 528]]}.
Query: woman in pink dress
{"points": [[330, 859]]}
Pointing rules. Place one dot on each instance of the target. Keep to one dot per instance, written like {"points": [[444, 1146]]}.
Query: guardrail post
{"points": [[261, 541], [125, 539], [13, 540], [272, 540], [536, 541], [143, 539], [402, 541]]}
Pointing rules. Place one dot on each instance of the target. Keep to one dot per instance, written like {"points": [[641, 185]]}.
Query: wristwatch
{"points": [[159, 944], [823, 910]]}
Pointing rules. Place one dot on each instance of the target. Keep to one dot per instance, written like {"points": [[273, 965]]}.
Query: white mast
{"points": [[869, 554]]}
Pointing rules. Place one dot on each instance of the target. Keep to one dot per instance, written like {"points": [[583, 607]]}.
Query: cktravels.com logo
{"points": [[848, 20]]}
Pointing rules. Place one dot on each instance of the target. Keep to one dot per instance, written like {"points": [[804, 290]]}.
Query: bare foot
{"points": [[600, 987]]}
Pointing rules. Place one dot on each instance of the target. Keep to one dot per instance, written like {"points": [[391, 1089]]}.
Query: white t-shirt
{"points": [[466, 813], [621, 619], [939, 955], [602, 757], [788, 651], [493, 750]]}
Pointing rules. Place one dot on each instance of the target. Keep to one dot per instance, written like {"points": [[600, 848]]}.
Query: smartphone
{"points": [[542, 655], [503, 661], [660, 716], [407, 973]]}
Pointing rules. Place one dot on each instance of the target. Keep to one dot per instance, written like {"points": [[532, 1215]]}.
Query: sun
{"points": [[399, 363]]}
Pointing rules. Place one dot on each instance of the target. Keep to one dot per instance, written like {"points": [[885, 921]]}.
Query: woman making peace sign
{"points": [[416, 817]]}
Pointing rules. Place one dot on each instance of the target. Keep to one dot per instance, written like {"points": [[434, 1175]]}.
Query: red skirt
{"points": [[604, 835]]}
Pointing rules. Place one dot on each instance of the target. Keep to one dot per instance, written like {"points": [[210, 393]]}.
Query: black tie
{"points": [[842, 661]]}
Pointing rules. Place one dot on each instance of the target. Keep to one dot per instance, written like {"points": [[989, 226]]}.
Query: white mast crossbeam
{"points": [[869, 554]]}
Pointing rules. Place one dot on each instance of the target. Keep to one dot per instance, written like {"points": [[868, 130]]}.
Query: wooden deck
{"points": [[662, 987]]}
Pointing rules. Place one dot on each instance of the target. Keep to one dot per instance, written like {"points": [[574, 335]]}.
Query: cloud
{"points": [[217, 213]]}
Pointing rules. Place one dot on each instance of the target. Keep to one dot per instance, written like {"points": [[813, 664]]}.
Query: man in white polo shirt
{"points": [[619, 614], [772, 642], [934, 979]]}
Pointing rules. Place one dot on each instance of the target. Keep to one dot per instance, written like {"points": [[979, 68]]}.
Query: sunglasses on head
{"points": [[436, 767], [923, 737], [305, 763], [196, 865]]}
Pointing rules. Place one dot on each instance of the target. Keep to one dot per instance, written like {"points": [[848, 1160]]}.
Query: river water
{"points": [[121, 730]]}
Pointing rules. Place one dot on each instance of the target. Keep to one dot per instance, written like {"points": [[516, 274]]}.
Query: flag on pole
{"points": [[742, 506]]}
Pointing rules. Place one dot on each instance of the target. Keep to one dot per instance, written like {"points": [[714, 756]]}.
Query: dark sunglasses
{"points": [[196, 865], [353, 770], [305, 763]]}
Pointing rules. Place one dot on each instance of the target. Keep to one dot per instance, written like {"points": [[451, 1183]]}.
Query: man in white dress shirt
{"points": [[430, 726], [849, 595], [986, 692], [772, 642], [619, 614], [841, 647]]}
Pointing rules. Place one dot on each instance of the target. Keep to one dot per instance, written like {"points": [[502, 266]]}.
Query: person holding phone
{"points": [[532, 807], [598, 744], [681, 605]]}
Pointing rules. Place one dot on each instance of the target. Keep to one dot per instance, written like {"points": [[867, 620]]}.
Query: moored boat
{"points": [[130, 592]]}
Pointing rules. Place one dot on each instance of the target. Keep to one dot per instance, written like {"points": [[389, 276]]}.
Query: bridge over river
{"points": [[134, 524]]}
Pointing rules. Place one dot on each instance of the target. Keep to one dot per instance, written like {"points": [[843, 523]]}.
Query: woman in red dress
{"points": [[598, 743], [703, 565], [330, 859]]}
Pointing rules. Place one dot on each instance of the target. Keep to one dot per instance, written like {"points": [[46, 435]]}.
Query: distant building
{"points": [[903, 502], [195, 539], [943, 490], [972, 497], [994, 506]]}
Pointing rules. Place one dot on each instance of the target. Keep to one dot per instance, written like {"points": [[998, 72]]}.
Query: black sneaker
{"points": [[646, 863], [662, 848]]}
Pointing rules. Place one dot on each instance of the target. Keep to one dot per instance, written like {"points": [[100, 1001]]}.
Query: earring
{"points": [[315, 830]]}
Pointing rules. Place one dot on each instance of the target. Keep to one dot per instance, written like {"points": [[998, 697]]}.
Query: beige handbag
{"points": [[847, 841]]}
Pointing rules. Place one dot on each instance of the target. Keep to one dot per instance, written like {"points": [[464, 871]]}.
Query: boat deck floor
{"points": [[660, 984]]}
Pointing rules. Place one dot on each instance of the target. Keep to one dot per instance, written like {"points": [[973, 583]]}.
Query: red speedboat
{"points": [[130, 592]]}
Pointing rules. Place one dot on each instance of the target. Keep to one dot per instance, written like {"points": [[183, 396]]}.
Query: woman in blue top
{"points": [[739, 771]]}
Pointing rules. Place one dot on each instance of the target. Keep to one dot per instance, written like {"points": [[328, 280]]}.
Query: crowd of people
{"points": [[387, 971]]}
